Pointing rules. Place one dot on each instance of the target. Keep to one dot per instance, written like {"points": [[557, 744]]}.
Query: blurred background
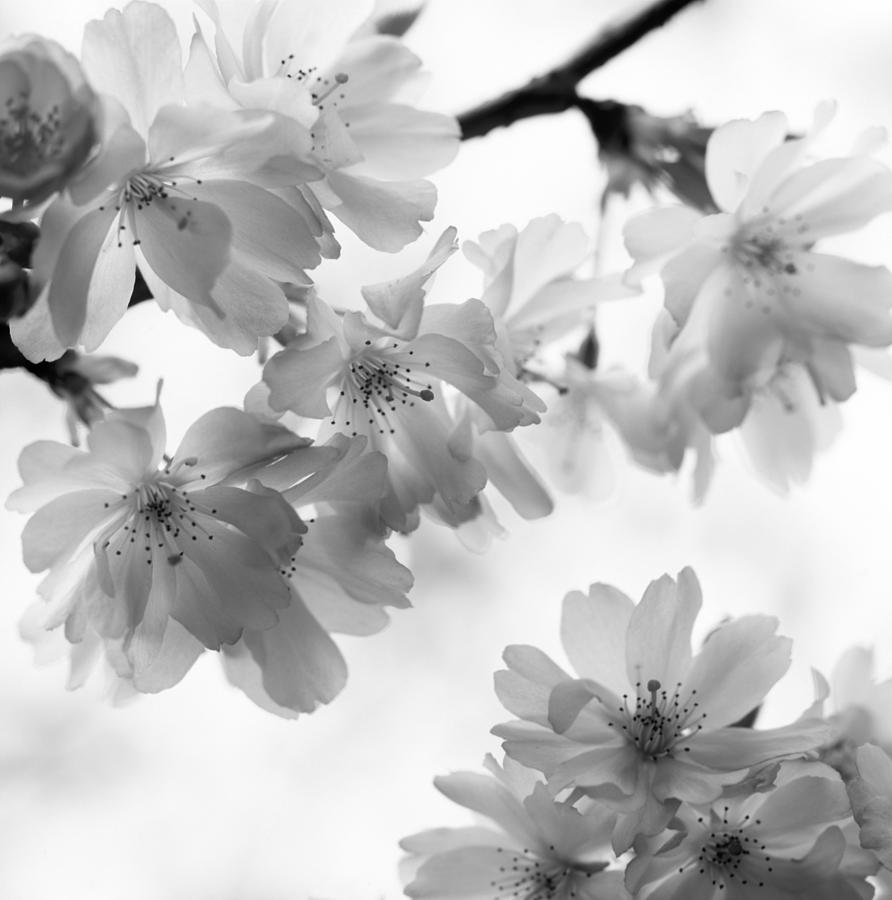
{"points": [[198, 795]]}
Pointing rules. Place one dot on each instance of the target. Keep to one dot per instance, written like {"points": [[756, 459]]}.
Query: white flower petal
{"points": [[186, 243], [246, 306], [312, 32], [510, 473], [840, 299], [299, 663], [400, 302], [737, 666], [70, 289], [593, 633], [831, 197], [380, 68], [651, 236], [58, 528], [298, 379], [386, 215], [266, 230], [225, 441], [399, 142], [135, 56], [871, 797], [734, 153], [658, 645], [484, 795]]}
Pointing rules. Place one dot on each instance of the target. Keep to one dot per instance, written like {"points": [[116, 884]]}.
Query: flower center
{"points": [[660, 722], [728, 855], [161, 518], [29, 138], [320, 88], [762, 249], [377, 387], [522, 875], [142, 189]]}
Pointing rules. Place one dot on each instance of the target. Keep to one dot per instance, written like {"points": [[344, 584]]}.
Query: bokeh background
{"points": [[196, 794]]}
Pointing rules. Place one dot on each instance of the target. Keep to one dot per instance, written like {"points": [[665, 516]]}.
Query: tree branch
{"points": [[555, 91]]}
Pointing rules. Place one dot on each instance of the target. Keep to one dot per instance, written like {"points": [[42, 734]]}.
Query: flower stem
{"points": [[555, 91]]}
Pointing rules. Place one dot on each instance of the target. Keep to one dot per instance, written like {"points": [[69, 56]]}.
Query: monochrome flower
{"points": [[870, 792], [746, 289], [788, 842], [341, 576], [157, 556], [539, 848], [387, 381], [178, 191], [647, 725], [48, 118], [353, 92]]}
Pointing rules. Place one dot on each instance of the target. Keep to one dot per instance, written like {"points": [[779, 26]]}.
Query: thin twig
{"points": [[555, 91]]}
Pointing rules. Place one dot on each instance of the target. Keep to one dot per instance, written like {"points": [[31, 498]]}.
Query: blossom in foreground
{"points": [[790, 842], [388, 381], [179, 191], [157, 558], [747, 291], [48, 118], [539, 848], [870, 792], [353, 92], [647, 725], [341, 577]]}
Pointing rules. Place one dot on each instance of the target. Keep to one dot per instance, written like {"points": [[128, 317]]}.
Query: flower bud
{"points": [[48, 118]]}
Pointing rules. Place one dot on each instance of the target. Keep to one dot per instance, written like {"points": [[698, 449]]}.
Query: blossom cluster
{"points": [[215, 182], [640, 775]]}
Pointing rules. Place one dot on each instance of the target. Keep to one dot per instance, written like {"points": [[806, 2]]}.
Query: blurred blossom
{"points": [[388, 382], [48, 118], [749, 297], [870, 792], [539, 847], [352, 92], [860, 708], [596, 405], [74, 379], [647, 725], [531, 289], [637, 148]]}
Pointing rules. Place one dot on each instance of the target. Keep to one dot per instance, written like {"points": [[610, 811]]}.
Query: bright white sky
{"points": [[197, 795]]}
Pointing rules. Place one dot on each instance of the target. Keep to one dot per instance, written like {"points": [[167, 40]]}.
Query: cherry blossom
{"points": [[388, 382], [352, 92], [48, 118], [540, 847], [870, 791], [747, 291], [648, 725], [178, 191], [158, 557], [341, 577], [788, 842]]}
